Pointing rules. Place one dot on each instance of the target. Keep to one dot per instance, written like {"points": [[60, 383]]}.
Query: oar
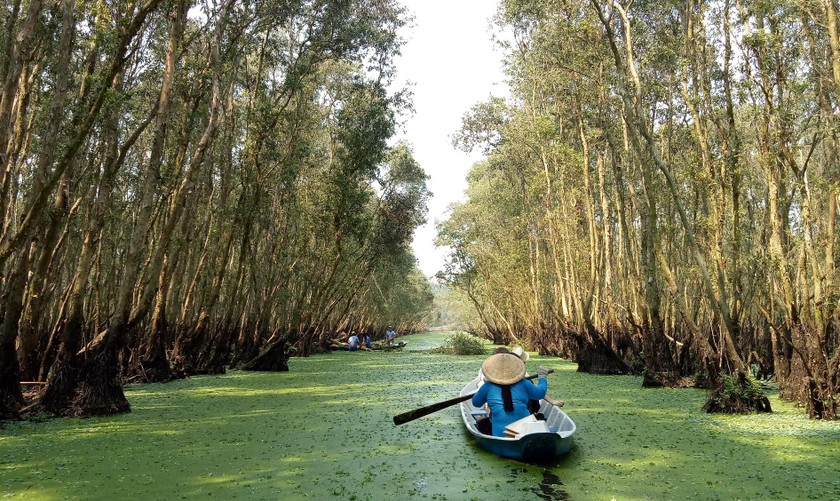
{"points": [[425, 411]]}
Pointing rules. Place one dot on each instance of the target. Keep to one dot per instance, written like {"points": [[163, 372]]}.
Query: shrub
{"points": [[737, 394], [461, 343]]}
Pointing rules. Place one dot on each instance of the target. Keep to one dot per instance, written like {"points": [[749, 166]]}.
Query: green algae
{"points": [[324, 431]]}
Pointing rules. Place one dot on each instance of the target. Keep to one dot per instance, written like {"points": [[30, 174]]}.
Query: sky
{"points": [[451, 60]]}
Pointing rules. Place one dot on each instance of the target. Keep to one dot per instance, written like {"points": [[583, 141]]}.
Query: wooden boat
{"points": [[530, 447], [376, 346], [381, 345]]}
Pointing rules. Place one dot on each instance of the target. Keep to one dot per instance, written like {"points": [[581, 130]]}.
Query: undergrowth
{"points": [[461, 343]]}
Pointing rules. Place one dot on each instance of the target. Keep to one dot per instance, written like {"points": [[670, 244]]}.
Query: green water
{"points": [[324, 431]]}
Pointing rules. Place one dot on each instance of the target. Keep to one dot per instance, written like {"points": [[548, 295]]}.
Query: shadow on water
{"points": [[549, 489]]}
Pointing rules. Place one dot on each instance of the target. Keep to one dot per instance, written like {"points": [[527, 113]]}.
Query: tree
{"points": [[660, 190], [224, 190]]}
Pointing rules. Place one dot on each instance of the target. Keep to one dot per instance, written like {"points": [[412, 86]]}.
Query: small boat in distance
{"points": [[533, 447]]}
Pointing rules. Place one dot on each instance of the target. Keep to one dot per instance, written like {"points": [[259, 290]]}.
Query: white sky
{"points": [[453, 64]]}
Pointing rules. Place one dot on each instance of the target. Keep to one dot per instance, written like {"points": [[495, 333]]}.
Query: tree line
{"points": [[660, 192], [193, 185]]}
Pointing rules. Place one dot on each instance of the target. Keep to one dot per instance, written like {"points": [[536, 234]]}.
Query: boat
{"points": [[382, 346], [376, 346], [532, 447]]}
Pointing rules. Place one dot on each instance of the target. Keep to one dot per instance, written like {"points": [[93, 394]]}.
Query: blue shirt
{"points": [[521, 392], [353, 342]]}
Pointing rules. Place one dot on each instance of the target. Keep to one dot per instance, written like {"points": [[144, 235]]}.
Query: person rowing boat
{"points": [[506, 392]]}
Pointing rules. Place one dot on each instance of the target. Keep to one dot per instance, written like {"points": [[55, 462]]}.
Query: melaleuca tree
{"points": [[675, 167]]}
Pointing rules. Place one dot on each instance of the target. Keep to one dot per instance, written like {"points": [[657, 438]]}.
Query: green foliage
{"points": [[403, 201], [638, 363], [740, 393], [453, 310], [462, 343], [482, 126], [402, 294], [745, 389]]}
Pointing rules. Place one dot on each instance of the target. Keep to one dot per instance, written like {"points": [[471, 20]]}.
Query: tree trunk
{"points": [[595, 356], [274, 358], [12, 305], [31, 327], [152, 365]]}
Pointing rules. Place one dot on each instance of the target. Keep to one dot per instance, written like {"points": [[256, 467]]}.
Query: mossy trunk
{"points": [[152, 365], [217, 353], [188, 346], [809, 377], [183, 359], [245, 347], [100, 390], [90, 383], [63, 375], [274, 358], [595, 356], [11, 398]]}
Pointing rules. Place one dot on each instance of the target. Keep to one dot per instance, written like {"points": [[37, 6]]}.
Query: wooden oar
{"points": [[429, 409]]}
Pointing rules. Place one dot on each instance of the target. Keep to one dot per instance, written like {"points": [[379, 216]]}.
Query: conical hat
{"points": [[522, 354], [503, 368]]}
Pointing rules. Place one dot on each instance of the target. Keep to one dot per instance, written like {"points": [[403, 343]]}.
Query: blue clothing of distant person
{"points": [[504, 374], [367, 341], [353, 342]]}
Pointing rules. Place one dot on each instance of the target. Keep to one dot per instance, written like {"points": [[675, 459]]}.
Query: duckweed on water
{"points": [[324, 431]]}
